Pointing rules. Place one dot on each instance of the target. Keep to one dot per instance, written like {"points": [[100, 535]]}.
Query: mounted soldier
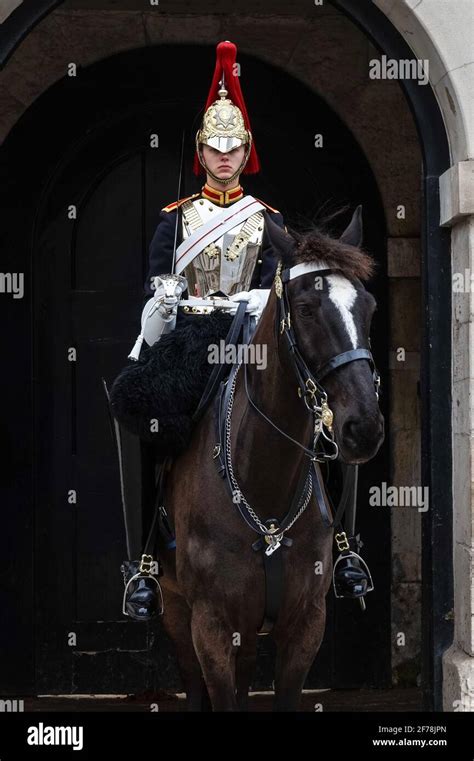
{"points": [[210, 253]]}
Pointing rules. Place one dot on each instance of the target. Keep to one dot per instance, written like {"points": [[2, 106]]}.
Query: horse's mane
{"points": [[316, 245]]}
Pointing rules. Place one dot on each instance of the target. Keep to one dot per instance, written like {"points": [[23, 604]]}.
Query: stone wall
{"points": [[448, 46]]}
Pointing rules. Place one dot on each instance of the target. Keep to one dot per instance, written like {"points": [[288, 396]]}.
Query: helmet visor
{"points": [[223, 144]]}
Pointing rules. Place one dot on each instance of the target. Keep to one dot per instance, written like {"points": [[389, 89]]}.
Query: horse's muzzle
{"points": [[361, 438]]}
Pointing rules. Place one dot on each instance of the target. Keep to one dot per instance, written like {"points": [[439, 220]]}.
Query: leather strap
{"points": [[343, 359], [351, 476], [129, 458], [321, 495], [274, 575], [218, 371], [347, 501], [159, 521]]}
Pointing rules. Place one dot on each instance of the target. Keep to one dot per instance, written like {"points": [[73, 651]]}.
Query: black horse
{"points": [[213, 583]]}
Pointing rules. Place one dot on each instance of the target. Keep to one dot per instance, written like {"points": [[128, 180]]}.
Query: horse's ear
{"points": [[353, 233], [281, 241]]}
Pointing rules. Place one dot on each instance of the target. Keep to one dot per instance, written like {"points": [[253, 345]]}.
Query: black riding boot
{"points": [[351, 579], [351, 575], [142, 597]]}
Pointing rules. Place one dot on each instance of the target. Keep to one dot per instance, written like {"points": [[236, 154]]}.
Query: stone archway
{"points": [[88, 275]]}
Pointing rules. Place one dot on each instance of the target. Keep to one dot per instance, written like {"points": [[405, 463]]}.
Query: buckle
{"points": [[285, 323], [341, 541], [273, 538], [146, 564]]}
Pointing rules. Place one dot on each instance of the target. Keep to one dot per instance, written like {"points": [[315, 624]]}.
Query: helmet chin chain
{"points": [[227, 181]]}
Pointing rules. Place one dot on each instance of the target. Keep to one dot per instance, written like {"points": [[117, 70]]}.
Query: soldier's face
{"points": [[223, 165]]}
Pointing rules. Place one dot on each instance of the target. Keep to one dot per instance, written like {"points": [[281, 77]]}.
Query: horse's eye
{"points": [[304, 310]]}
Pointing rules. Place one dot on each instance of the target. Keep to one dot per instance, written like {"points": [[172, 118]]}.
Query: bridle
{"points": [[309, 384], [315, 399]]}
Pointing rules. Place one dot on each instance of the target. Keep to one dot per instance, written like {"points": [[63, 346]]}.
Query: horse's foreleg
{"points": [[295, 654], [177, 622], [216, 651]]}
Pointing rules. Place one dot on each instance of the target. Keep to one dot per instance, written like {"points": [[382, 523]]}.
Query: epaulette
{"points": [[268, 206], [176, 204]]}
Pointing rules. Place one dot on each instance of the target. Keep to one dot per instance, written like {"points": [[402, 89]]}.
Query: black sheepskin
{"points": [[168, 381]]}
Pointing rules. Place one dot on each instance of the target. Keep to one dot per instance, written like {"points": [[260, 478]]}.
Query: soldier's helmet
{"points": [[226, 124]]}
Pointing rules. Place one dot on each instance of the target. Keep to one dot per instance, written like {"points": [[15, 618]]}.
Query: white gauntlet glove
{"points": [[159, 313], [257, 299]]}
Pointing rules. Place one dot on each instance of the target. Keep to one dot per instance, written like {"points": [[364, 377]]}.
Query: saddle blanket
{"points": [[156, 397]]}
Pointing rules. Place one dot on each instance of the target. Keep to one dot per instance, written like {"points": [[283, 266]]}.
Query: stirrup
{"points": [[351, 577], [142, 597]]}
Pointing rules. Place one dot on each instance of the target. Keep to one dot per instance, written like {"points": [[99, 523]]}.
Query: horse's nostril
{"points": [[349, 429], [356, 430]]}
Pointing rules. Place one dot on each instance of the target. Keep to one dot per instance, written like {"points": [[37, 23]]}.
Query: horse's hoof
{"points": [[350, 578]]}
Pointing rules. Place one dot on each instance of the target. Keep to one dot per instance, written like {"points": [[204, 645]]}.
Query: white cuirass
{"points": [[228, 264]]}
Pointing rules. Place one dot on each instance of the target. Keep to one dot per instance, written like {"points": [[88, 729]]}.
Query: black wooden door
{"points": [[85, 327], [90, 260]]}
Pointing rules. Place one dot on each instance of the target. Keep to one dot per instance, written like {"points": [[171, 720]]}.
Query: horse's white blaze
{"points": [[343, 295]]}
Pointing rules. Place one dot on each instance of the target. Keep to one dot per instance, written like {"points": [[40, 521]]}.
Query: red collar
{"points": [[222, 197]]}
